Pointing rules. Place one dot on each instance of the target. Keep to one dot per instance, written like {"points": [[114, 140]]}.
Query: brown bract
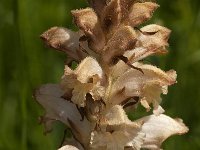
{"points": [[110, 77], [89, 23]]}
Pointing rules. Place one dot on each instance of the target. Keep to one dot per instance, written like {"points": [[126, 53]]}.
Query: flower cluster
{"points": [[111, 77]]}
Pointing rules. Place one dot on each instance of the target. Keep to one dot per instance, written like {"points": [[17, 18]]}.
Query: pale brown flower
{"points": [[111, 76]]}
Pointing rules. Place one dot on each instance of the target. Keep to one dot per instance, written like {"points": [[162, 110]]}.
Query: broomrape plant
{"points": [[110, 78]]}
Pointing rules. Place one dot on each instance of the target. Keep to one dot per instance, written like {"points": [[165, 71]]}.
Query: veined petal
{"points": [[115, 116], [159, 38], [79, 93], [159, 128], [85, 71], [84, 79], [140, 53], [88, 68], [141, 12], [117, 138], [81, 89], [118, 70], [151, 94], [133, 83], [88, 22], [49, 96], [97, 92], [117, 131], [168, 77], [148, 45]]}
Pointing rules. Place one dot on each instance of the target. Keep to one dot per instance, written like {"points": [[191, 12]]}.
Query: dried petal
{"points": [[148, 45], [151, 94], [97, 92], [140, 53], [119, 132], [84, 79], [62, 39], [168, 78], [115, 116], [88, 22], [118, 139], [141, 12], [134, 83], [82, 89], [79, 93], [87, 69], [119, 69], [158, 40], [159, 128]]}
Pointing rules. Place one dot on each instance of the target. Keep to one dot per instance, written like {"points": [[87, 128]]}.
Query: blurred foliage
{"points": [[25, 64]]}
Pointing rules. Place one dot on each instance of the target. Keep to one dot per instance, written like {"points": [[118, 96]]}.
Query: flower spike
{"points": [[110, 79]]}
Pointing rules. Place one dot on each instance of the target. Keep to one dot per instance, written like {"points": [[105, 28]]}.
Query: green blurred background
{"points": [[25, 64]]}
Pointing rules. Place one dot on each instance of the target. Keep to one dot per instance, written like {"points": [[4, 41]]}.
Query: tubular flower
{"points": [[92, 99]]}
